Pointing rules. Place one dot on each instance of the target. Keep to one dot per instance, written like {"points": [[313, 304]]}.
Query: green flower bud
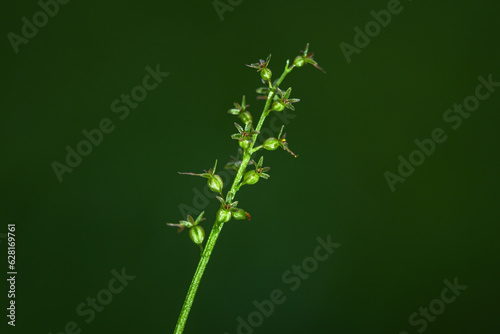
{"points": [[299, 61], [197, 234], [245, 143], [223, 215], [246, 117], [271, 144], [266, 74], [215, 184], [240, 214], [251, 177], [278, 105]]}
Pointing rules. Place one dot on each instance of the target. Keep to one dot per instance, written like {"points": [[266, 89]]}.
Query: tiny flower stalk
{"points": [[196, 232], [272, 143], [306, 58], [275, 100], [214, 181]]}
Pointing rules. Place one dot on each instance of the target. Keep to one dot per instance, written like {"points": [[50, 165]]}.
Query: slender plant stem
{"points": [[217, 228], [205, 256]]}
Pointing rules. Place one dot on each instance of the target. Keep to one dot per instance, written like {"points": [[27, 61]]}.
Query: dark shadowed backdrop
{"points": [[396, 180]]}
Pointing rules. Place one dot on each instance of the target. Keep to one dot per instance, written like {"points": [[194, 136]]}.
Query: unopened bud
{"points": [[246, 117], [245, 143], [215, 184], [197, 234], [251, 177], [266, 74], [239, 214], [299, 61], [278, 105], [223, 215], [271, 144]]}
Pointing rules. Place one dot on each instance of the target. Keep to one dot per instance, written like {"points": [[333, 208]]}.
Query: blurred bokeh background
{"points": [[396, 247]]}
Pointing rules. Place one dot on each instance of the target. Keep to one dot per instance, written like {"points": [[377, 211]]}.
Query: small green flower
{"points": [[189, 223], [245, 135], [253, 176], [240, 214], [284, 100], [271, 144], [214, 181], [266, 74], [225, 211], [196, 232], [306, 58], [261, 67], [278, 105]]}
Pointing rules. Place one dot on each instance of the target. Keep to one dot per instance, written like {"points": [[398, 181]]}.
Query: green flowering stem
{"points": [[217, 228], [205, 256], [270, 96]]}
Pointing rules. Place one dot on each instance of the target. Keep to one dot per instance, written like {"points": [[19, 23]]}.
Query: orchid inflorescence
{"points": [[276, 99], [246, 137]]}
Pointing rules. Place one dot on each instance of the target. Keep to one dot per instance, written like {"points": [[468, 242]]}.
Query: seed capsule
{"points": [[240, 214], [278, 106], [299, 61], [197, 234], [245, 143], [215, 184], [271, 144], [223, 215], [246, 117], [266, 74], [251, 177]]}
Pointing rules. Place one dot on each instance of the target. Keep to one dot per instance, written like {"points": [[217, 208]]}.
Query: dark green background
{"points": [[351, 125]]}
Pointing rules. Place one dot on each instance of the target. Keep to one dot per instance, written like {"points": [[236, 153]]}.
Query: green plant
{"points": [[277, 100]]}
